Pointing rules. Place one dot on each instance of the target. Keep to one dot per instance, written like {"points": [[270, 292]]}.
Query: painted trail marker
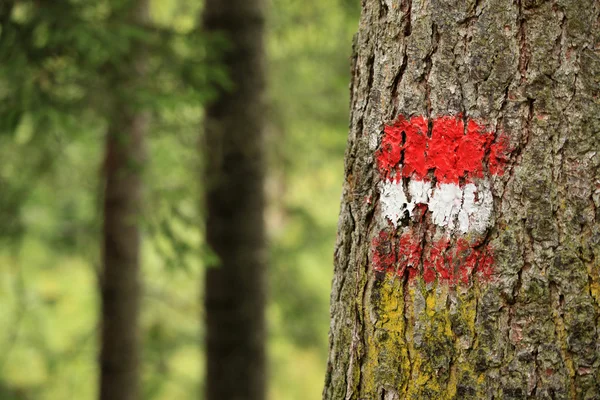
{"points": [[442, 178]]}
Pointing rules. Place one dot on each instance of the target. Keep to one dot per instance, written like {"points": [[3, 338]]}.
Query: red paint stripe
{"points": [[442, 260], [452, 152]]}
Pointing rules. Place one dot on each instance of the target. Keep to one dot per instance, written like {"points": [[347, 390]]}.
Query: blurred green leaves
{"points": [[60, 64], [309, 51]]}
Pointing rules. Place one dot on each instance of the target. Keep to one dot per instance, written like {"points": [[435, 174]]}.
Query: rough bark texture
{"points": [[120, 285], [531, 70], [235, 230]]}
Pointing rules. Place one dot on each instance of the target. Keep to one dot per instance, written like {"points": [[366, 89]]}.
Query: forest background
{"points": [[53, 91]]}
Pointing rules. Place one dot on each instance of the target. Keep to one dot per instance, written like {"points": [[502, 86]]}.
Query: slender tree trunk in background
{"points": [[235, 229], [468, 254], [125, 155], [120, 281]]}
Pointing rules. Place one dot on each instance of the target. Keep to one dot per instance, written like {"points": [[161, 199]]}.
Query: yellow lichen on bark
{"points": [[386, 348], [417, 340]]}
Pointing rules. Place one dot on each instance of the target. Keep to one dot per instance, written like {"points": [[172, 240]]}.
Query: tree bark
{"points": [[120, 283], [514, 313], [235, 229]]}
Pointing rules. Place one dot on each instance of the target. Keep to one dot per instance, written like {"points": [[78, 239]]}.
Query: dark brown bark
{"points": [[235, 290], [120, 281], [530, 70]]}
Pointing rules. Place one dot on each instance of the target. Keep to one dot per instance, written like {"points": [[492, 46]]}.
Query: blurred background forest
{"points": [[54, 91]]}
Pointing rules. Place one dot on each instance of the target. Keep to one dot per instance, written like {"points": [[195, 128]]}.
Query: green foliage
{"points": [[309, 48], [62, 64], [63, 68]]}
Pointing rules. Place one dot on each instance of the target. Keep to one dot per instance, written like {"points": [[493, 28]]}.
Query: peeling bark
{"points": [[529, 70]]}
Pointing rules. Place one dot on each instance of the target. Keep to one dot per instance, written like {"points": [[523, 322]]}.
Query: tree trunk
{"points": [[120, 281], [120, 286], [468, 254], [235, 290]]}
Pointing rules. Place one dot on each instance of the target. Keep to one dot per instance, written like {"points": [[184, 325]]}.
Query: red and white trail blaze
{"points": [[443, 177]]}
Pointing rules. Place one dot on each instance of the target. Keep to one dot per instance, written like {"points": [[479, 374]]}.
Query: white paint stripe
{"points": [[419, 191], [394, 202], [476, 208], [445, 204], [470, 207]]}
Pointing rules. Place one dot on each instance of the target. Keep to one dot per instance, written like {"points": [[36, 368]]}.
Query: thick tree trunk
{"points": [[468, 254], [120, 286], [235, 290]]}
